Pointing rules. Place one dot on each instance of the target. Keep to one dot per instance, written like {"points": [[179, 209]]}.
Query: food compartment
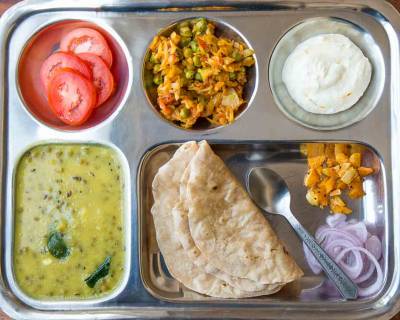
{"points": [[71, 225], [211, 61], [287, 160], [43, 44], [296, 36]]}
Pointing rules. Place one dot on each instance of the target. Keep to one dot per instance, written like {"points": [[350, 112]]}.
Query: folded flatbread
{"points": [[181, 221], [190, 231]]}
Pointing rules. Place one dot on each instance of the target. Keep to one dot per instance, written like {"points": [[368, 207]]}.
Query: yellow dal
{"points": [[76, 190]]}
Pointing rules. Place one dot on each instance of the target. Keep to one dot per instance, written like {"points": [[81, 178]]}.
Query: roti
{"points": [[228, 228], [181, 221], [165, 193], [185, 226]]}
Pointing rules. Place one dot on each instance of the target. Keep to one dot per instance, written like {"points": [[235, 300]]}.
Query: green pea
{"points": [[237, 56], [157, 79], [247, 53], [184, 42], [153, 59], [185, 32], [193, 44], [184, 24], [156, 68], [232, 76], [198, 76], [247, 62], [197, 61], [184, 113], [200, 26], [187, 52], [189, 74]]}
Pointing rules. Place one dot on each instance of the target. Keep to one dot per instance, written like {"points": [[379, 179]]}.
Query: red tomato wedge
{"points": [[82, 40], [59, 60], [72, 97], [102, 77]]}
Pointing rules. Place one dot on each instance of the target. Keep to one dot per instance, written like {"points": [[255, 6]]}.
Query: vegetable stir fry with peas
{"points": [[198, 75]]}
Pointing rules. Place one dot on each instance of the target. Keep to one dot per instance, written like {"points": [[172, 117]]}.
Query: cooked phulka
{"points": [[228, 228], [251, 260], [180, 213], [165, 193]]}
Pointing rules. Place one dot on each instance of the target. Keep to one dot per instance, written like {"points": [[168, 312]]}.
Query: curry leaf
{"points": [[57, 246], [101, 271]]}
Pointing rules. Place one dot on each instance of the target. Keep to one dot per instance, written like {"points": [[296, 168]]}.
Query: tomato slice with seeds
{"points": [[82, 40], [71, 96], [102, 77], [59, 60]]}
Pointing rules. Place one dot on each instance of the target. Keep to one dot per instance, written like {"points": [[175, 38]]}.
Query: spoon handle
{"points": [[342, 282]]}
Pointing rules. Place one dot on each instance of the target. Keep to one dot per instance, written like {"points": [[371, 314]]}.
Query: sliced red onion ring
{"points": [[374, 246], [353, 248], [334, 220], [330, 234], [352, 270], [367, 274], [373, 288], [358, 229]]}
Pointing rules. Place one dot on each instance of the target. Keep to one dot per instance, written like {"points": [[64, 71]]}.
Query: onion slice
{"points": [[353, 248], [373, 288]]}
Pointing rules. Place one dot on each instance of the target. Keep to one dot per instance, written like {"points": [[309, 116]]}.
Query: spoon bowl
{"points": [[269, 190]]}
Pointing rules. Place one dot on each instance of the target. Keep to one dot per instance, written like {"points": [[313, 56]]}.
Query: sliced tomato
{"points": [[82, 40], [71, 96], [59, 60], [102, 77]]}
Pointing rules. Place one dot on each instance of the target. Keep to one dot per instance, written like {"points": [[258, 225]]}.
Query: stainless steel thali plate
{"points": [[136, 130]]}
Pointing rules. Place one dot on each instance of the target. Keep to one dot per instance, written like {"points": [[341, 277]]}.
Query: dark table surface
{"points": [[5, 4]]}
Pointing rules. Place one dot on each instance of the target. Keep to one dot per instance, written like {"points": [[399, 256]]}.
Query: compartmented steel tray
{"points": [[262, 135]]}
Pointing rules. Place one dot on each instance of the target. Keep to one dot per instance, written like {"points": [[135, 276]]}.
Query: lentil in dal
{"points": [[76, 191]]}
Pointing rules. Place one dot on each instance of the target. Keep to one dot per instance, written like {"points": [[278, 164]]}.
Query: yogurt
{"points": [[326, 74]]}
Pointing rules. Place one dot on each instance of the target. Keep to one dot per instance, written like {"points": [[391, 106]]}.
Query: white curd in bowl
{"points": [[326, 74]]}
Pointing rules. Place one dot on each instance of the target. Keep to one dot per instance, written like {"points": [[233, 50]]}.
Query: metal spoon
{"points": [[271, 193]]}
